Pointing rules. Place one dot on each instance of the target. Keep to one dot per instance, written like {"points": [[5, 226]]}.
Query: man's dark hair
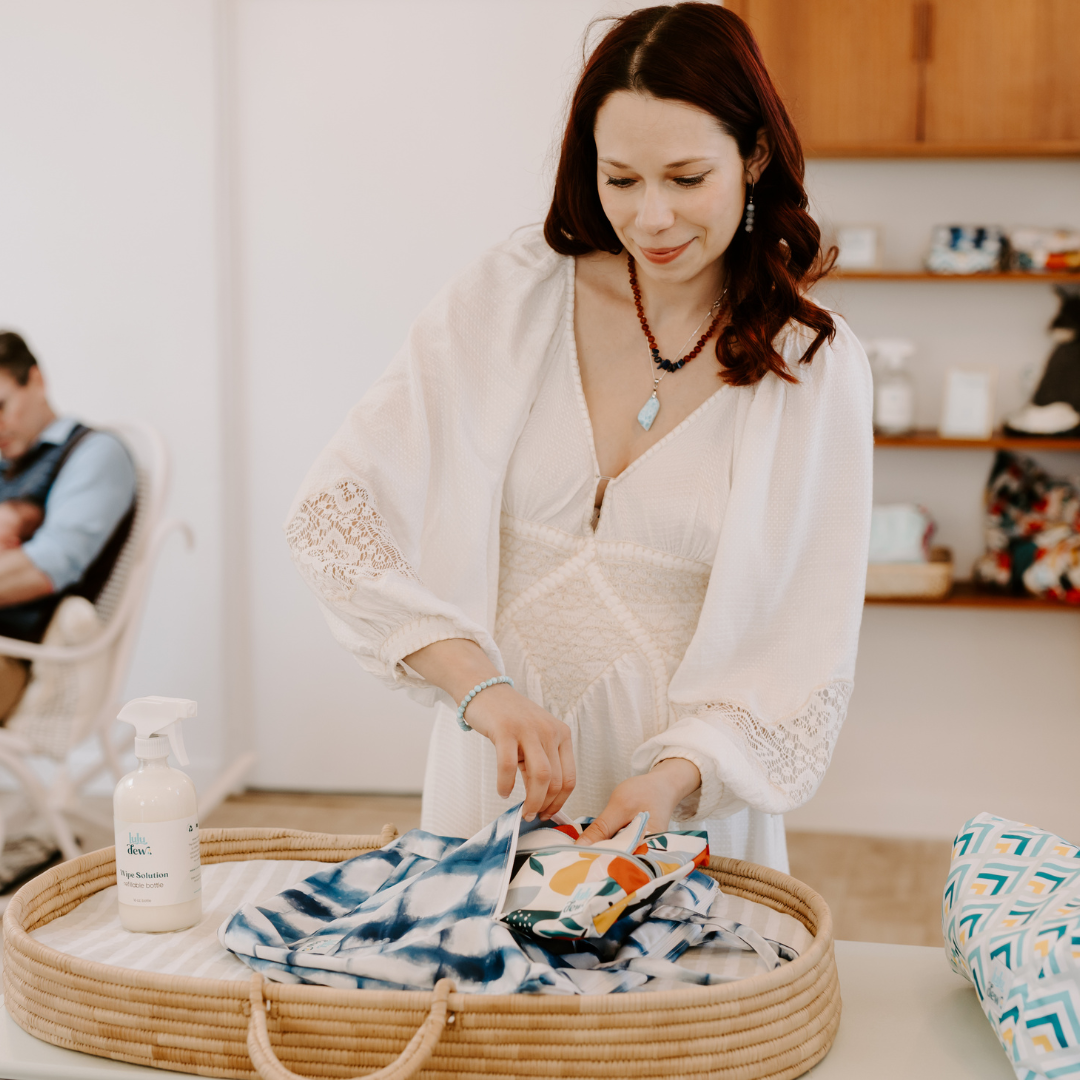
{"points": [[15, 356]]}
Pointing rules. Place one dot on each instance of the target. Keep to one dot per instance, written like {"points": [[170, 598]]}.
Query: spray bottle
{"points": [[156, 816], [894, 392]]}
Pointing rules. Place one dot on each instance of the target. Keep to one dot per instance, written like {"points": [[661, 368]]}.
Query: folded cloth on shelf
{"points": [[1044, 249], [1032, 531], [965, 249], [900, 533], [1011, 919], [426, 907]]}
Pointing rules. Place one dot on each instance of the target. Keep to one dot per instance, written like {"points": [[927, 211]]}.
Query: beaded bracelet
{"points": [[473, 692]]}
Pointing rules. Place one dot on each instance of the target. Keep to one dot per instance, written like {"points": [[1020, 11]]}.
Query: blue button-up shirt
{"points": [[91, 493]]}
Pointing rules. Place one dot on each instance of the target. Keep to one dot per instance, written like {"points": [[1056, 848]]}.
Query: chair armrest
{"points": [[74, 654]]}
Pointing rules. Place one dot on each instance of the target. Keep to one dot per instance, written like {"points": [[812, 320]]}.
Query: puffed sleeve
{"points": [[395, 527], [760, 696]]}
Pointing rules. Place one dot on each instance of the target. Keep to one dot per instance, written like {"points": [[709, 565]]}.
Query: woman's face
{"points": [[671, 182]]}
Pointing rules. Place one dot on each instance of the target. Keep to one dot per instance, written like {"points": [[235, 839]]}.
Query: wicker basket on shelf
{"points": [[774, 1025], [912, 580]]}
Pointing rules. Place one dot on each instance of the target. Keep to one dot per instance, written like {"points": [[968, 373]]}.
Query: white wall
{"points": [[383, 146], [108, 266], [222, 215]]}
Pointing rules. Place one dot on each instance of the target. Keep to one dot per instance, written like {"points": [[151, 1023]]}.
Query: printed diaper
{"points": [[560, 889]]}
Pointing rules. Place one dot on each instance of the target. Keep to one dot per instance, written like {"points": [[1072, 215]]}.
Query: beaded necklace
{"points": [[651, 407]]}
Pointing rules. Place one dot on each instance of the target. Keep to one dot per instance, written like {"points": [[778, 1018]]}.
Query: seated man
{"points": [[67, 501]]}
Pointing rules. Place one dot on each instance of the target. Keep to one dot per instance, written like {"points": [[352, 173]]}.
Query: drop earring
{"points": [[749, 226]]}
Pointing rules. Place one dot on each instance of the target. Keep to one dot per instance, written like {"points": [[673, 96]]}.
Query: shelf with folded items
{"points": [[1033, 276], [928, 439], [969, 594]]}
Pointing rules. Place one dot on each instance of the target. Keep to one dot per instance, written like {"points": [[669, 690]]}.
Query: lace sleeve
{"points": [[372, 598], [338, 537], [743, 759]]}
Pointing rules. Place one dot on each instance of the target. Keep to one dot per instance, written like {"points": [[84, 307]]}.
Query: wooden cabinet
{"points": [[936, 78], [1004, 72]]}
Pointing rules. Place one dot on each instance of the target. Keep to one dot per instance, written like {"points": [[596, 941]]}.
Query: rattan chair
{"points": [[86, 681]]}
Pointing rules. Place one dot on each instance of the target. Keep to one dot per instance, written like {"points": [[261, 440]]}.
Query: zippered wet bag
{"points": [[563, 890], [1011, 919]]}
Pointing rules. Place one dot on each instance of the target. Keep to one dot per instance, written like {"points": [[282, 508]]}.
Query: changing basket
{"points": [[771, 1025]]}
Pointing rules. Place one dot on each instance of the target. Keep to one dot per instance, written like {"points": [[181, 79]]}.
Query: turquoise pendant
{"points": [[648, 411]]}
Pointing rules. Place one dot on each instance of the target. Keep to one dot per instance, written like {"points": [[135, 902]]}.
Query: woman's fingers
{"points": [[604, 826], [555, 779], [506, 755], [536, 772], [532, 741], [626, 802], [560, 794]]}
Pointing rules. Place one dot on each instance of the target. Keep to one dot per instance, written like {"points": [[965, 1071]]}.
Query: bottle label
{"points": [[894, 409], [157, 862]]}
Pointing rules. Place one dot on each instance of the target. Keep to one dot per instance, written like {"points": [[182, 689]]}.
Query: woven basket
{"points": [[930, 580], [774, 1025]]}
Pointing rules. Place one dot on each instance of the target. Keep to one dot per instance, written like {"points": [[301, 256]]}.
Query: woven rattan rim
{"points": [[772, 1025]]}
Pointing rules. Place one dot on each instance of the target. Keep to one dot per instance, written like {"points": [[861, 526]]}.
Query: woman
{"points": [[626, 462]]}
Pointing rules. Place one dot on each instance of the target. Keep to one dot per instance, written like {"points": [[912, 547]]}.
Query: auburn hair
{"points": [[705, 55]]}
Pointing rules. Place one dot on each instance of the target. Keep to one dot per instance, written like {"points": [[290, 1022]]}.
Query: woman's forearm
{"points": [[682, 776], [526, 737], [455, 665]]}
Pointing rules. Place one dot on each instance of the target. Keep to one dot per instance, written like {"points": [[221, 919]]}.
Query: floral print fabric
{"points": [[566, 892], [1032, 531]]}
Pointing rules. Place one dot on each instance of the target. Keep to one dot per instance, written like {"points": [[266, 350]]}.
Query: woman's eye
{"points": [[620, 181], [689, 181]]}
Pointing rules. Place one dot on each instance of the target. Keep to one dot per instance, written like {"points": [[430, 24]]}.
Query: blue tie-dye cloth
{"points": [[426, 907]]}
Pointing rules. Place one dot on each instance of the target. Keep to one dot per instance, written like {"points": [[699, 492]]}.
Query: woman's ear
{"points": [[759, 157]]}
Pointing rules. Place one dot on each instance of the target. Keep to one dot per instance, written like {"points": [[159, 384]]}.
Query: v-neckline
{"points": [[579, 389]]}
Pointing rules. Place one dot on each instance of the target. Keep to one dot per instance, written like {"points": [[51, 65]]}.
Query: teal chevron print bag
{"points": [[1011, 920]]}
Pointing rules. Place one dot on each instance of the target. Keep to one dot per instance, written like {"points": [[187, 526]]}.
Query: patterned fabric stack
{"points": [[1032, 531], [1011, 919], [564, 892], [518, 908]]}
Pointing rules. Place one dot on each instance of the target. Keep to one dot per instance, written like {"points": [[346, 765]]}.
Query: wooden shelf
{"points": [[925, 275], [968, 594], [931, 440]]}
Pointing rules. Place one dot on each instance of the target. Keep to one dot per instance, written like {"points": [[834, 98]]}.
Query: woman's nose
{"points": [[654, 214]]}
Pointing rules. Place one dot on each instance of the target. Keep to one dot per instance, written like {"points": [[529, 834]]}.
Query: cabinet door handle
{"points": [[922, 53], [924, 31]]}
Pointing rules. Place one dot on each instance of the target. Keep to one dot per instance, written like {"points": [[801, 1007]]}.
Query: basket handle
{"points": [[413, 1058]]}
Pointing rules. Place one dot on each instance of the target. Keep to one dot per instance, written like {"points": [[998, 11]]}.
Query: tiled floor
{"points": [[878, 890]]}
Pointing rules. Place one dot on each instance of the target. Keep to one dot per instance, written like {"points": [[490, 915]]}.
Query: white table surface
{"points": [[906, 1016]]}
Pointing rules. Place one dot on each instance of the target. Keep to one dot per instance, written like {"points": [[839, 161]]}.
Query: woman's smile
{"points": [[665, 255]]}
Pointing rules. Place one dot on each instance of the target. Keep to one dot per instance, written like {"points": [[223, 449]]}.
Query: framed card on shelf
{"points": [[859, 247], [968, 409]]}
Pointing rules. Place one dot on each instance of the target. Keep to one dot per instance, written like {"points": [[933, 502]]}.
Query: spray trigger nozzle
{"points": [[157, 718]]}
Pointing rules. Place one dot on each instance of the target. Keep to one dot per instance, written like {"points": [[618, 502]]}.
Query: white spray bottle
{"points": [[894, 392], [156, 817]]}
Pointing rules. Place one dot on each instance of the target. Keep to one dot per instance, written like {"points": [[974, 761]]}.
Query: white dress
{"points": [[713, 613]]}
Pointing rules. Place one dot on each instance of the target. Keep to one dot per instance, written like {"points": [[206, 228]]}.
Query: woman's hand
{"points": [[659, 791], [525, 736], [528, 738]]}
